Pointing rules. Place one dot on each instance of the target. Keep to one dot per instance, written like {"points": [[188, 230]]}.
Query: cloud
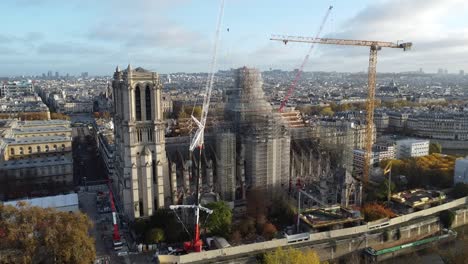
{"points": [[5, 39], [5, 51], [423, 22], [70, 48]]}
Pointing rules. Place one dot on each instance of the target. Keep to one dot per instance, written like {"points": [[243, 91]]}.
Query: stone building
{"points": [[141, 177], [35, 158]]}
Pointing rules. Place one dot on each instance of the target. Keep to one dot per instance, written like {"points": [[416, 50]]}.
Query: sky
{"points": [[168, 36]]}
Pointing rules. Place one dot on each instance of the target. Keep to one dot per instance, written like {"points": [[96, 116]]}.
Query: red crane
{"points": [[306, 59], [116, 239]]}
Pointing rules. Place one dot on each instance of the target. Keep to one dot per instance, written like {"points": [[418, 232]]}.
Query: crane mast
{"points": [[198, 141], [372, 72]]}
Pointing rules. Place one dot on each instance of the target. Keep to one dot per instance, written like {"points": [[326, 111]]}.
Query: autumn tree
{"points": [[236, 237], [155, 235], [291, 256], [45, 235], [106, 115], [435, 148], [375, 211], [219, 222], [269, 231], [59, 116], [327, 111], [247, 226]]}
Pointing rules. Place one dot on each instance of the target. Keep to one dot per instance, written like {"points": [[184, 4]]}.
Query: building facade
{"points": [[141, 177], [452, 126], [35, 158], [16, 89], [461, 171], [409, 148]]}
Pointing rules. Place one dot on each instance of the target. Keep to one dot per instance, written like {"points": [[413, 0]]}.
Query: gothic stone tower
{"points": [[141, 166]]}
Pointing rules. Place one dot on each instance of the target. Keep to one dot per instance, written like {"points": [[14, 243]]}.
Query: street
{"points": [[86, 163]]}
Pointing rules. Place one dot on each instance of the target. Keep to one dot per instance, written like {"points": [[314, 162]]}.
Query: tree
{"points": [[45, 235], [382, 190], [435, 148], [291, 256], [247, 226], [236, 237], [155, 235], [460, 190], [269, 231], [260, 222], [59, 116], [446, 218], [375, 211], [219, 222], [166, 220], [327, 111], [106, 115], [182, 113], [281, 213]]}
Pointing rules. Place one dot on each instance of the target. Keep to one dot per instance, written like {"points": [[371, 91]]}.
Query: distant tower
{"points": [[142, 174]]}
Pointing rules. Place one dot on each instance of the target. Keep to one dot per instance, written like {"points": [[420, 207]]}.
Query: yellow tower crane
{"points": [[370, 103]]}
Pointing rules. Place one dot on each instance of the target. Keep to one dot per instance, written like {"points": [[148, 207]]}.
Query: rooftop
{"points": [[36, 139], [57, 201], [35, 162]]}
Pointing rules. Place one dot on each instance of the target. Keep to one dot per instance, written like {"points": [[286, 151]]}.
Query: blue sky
{"points": [[177, 35]]}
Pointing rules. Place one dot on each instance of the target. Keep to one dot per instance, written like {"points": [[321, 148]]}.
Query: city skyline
{"points": [[176, 36]]}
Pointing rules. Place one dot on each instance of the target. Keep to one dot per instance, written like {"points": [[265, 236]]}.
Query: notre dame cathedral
{"points": [[141, 168]]}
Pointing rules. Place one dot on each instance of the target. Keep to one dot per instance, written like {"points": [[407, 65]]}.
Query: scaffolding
{"points": [[262, 135]]}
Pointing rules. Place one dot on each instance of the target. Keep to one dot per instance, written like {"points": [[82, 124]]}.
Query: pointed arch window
{"points": [[148, 102], [137, 104]]}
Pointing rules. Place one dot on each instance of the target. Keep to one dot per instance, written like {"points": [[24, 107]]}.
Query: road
{"points": [[87, 165], [102, 229]]}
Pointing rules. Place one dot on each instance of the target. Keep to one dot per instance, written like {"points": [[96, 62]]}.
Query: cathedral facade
{"points": [[141, 177]]}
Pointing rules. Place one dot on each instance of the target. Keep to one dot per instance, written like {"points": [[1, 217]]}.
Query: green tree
{"points": [[155, 235], [382, 190], [291, 256], [219, 222], [435, 148], [166, 220], [446, 218]]}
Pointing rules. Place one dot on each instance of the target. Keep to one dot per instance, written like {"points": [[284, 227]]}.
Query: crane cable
{"points": [[304, 62]]}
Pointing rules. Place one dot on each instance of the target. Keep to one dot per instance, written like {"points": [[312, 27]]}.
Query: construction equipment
{"points": [[304, 62], [388, 170], [374, 47], [197, 142]]}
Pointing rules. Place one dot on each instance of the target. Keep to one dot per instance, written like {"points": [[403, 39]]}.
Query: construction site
{"points": [[249, 145]]}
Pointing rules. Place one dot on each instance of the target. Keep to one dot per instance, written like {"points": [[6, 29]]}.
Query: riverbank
{"points": [[454, 252]]}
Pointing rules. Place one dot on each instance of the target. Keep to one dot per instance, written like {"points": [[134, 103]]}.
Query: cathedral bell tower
{"points": [[141, 167]]}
